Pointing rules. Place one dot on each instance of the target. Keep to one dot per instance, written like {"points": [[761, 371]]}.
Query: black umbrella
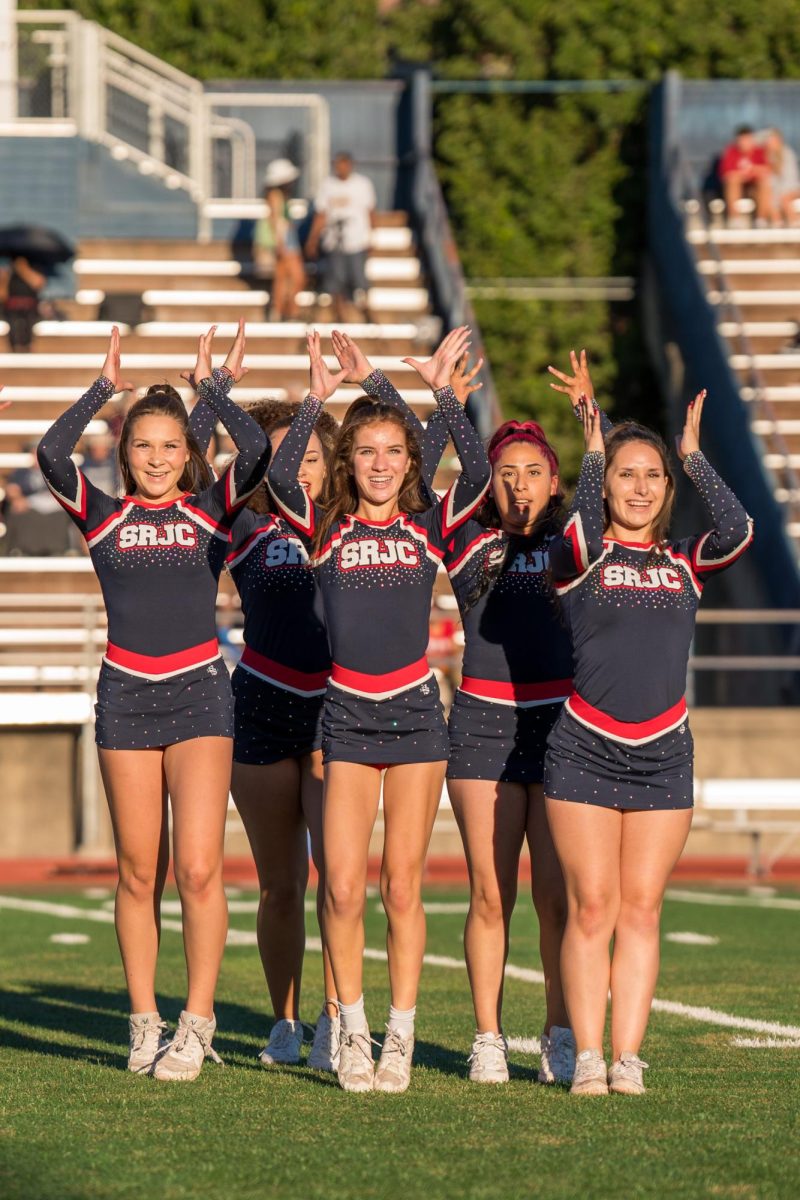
{"points": [[35, 243]]}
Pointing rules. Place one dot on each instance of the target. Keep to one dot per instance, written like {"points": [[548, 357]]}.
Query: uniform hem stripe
{"points": [[302, 683], [520, 695], [632, 733], [381, 687], [161, 666]]}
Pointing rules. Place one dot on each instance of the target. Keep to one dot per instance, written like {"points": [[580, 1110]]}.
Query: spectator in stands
{"points": [[100, 462], [21, 289], [34, 522], [276, 245], [344, 216], [743, 169], [785, 178]]}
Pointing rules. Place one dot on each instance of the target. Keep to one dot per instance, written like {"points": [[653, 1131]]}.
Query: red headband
{"points": [[522, 431]]}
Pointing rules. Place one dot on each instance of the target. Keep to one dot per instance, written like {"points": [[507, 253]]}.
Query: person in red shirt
{"points": [[744, 168]]}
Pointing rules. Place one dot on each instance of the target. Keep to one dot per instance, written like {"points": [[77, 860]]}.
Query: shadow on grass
{"points": [[97, 1015]]}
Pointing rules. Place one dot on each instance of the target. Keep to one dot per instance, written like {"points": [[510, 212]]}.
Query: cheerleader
{"points": [[164, 704], [278, 688], [618, 770], [376, 550]]}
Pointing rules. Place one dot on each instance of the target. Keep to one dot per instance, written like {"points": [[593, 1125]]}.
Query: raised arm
{"points": [[237, 483], [202, 419], [358, 369], [581, 540], [579, 384], [468, 490], [69, 485], [733, 528], [291, 497]]}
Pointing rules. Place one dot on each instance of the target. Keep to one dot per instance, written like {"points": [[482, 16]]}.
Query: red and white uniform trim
{"points": [[631, 733], [302, 683], [517, 695], [381, 687], [161, 666]]}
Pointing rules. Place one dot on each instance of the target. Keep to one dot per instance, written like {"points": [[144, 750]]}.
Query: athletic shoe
{"points": [[558, 1056], [393, 1072], [625, 1076], [185, 1054], [283, 1047], [590, 1075], [488, 1062], [354, 1065], [148, 1037], [325, 1048]]}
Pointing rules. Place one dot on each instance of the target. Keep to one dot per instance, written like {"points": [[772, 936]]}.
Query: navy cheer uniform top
{"points": [[630, 608], [158, 563]]}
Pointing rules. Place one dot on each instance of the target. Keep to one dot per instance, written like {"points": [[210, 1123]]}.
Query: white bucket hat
{"points": [[279, 172]]}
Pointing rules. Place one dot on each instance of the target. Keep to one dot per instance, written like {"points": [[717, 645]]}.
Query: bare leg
{"points": [[295, 278], [137, 799], [198, 775], [652, 843], [311, 794], [269, 801], [350, 806], [550, 902], [732, 192], [491, 817], [587, 839], [411, 794]]}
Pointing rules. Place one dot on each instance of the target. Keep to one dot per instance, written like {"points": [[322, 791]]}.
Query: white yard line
{"points": [[766, 1043], [240, 937], [691, 939], [725, 901]]}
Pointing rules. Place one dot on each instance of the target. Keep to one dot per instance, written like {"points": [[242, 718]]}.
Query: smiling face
{"points": [[380, 463], [157, 456], [311, 474], [522, 484], [635, 491]]}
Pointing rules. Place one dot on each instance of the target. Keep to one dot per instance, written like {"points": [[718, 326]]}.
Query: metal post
{"points": [[8, 60], [91, 102]]}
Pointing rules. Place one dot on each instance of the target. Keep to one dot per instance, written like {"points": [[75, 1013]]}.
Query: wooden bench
{"points": [[748, 801]]}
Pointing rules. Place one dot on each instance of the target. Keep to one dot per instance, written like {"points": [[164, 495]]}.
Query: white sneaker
{"points": [[488, 1062], [558, 1056], [625, 1075], [148, 1037], [184, 1056], [590, 1077], [283, 1047], [354, 1065], [393, 1072], [325, 1048]]}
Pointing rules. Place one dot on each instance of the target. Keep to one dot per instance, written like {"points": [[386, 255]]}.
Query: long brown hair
{"points": [[622, 435], [279, 414], [161, 400], [343, 492]]}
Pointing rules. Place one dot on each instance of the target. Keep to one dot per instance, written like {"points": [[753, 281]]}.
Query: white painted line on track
{"points": [[725, 901], [240, 937], [438, 907], [70, 939], [691, 939]]}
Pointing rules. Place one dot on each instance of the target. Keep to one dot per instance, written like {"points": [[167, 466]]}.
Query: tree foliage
{"points": [[536, 186]]}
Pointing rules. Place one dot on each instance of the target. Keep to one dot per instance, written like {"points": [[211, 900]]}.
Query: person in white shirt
{"points": [[344, 216]]}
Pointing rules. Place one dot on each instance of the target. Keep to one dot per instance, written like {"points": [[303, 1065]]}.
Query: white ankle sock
{"points": [[401, 1020], [353, 1016]]}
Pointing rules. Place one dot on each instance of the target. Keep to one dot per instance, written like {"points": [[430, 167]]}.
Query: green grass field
{"points": [[720, 1119]]}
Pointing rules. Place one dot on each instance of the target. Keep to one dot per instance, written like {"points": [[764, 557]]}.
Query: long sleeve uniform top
{"points": [[630, 607], [158, 563], [377, 577]]}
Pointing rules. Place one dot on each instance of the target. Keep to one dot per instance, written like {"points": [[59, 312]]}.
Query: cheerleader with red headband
{"points": [[516, 674]]}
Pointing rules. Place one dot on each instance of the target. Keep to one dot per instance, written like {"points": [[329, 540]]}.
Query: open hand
{"points": [[202, 368], [322, 381], [111, 367], [351, 357], [232, 364], [592, 430], [436, 370], [579, 383], [461, 378], [689, 440]]}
